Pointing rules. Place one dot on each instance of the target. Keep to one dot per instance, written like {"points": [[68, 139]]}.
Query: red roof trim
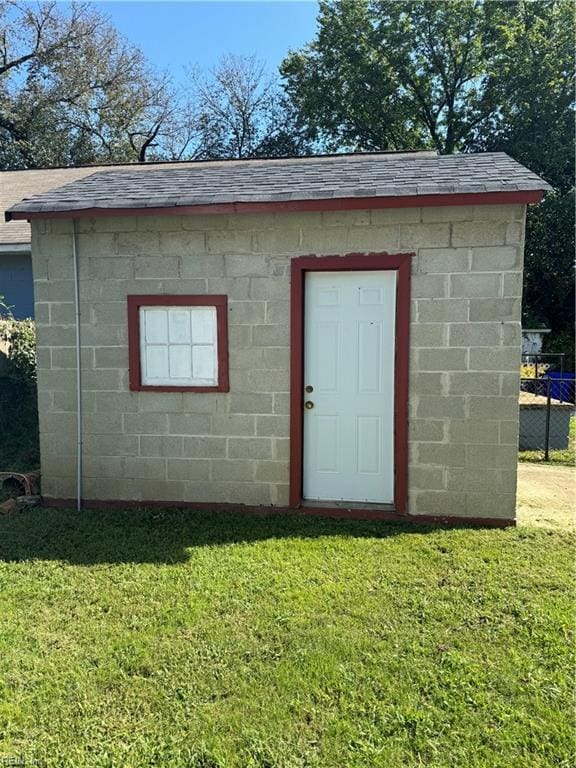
{"points": [[295, 206]]}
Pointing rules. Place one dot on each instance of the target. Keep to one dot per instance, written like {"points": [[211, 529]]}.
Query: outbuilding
{"points": [[339, 334]]}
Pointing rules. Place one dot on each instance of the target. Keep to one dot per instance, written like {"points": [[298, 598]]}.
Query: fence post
{"points": [[547, 433]]}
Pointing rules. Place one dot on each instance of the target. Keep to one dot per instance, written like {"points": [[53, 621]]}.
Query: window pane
{"points": [[180, 362], [204, 325], [179, 326], [156, 321], [204, 363], [156, 362]]}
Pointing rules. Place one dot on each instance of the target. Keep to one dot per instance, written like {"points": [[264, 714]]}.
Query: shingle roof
{"points": [[18, 185], [298, 179]]}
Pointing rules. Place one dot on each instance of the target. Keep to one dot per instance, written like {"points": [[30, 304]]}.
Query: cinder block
{"points": [[383, 217], [102, 423], [442, 359], [188, 469], [203, 265], [185, 244], [478, 234], [502, 359], [112, 224], [136, 243], [474, 285], [429, 286], [248, 493], [110, 357], [498, 212], [234, 287], [247, 265], [490, 310], [102, 467], [334, 240], [236, 469], [247, 312], [53, 290], [272, 471], [112, 312], [509, 433], [473, 383], [280, 240], [189, 424], [42, 313], [346, 218], [478, 480], [111, 445], [272, 426], [233, 425], [225, 242], [374, 238], [271, 335], [511, 334], [109, 379], [165, 446], [441, 503], [263, 380], [281, 449], [424, 235], [426, 430], [494, 408], [149, 469], [145, 423], [430, 407], [159, 402], [443, 260], [269, 288], [156, 266], [203, 402], [515, 233], [281, 403], [116, 402], [428, 335], [240, 337], [250, 448], [509, 383], [60, 267], [447, 213], [495, 505], [442, 310], [119, 268], [427, 383], [247, 357], [250, 403], [495, 259], [204, 447], [441, 454], [474, 334], [513, 284], [491, 456], [101, 244], [429, 478], [278, 312]]}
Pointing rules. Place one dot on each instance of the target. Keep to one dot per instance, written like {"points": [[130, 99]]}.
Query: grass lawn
{"points": [[182, 639]]}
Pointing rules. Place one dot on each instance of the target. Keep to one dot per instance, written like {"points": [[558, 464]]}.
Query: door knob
{"points": [[309, 388], [308, 405]]}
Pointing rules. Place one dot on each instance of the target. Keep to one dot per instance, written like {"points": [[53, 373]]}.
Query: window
{"points": [[178, 343]]}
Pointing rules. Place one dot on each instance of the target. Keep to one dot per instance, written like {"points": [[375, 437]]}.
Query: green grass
{"points": [[146, 638], [566, 457]]}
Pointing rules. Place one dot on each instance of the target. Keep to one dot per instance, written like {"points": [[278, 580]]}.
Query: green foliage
{"points": [[457, 75], [20, 339], [145, 637]]}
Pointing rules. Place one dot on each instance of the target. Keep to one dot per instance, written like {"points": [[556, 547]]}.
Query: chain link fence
{"points": [[547, 398]]}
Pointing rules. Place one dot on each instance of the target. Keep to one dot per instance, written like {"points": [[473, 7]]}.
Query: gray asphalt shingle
{"points": [[315, 178]]}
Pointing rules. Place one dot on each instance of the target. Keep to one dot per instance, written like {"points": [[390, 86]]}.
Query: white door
{"points": [[349, 386]]}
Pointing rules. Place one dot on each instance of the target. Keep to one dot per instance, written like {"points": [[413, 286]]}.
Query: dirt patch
{"points": [[546, 496]]}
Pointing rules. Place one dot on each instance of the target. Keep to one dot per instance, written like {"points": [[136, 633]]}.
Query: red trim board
{"points": [[351, 262], [134, 304], [343, 514], [295, 206]]}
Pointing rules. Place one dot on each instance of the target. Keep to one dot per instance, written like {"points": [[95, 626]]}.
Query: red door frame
{"points": [[401, 263]]}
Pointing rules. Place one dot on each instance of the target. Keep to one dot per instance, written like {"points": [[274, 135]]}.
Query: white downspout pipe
{"points": [[78, 369]]}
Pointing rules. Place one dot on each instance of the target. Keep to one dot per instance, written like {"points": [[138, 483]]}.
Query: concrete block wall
{"points": [[233, 447]]}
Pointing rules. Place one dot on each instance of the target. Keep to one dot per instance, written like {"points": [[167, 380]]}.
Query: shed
{"points": [[338, 334]]}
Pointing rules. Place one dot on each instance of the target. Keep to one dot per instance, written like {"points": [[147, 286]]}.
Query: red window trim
{"points": [[169, 300], [351, 262]]}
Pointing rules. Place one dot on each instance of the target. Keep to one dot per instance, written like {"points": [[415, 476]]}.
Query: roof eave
{"points": [[292, 206]]}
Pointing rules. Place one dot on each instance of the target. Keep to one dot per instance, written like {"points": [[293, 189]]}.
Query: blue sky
{"points": [[174, 34]]}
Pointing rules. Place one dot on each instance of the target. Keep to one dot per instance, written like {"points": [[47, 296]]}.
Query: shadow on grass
{"points": [[161, 536]]}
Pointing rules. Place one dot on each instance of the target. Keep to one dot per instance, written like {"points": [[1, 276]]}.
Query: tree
{"points": [[240, 112], [73, 91], [458, 75]]}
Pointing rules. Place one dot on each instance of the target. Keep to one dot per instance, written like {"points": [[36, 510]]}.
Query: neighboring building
{"points": [[533, 340], [340, 334], [16, 282]]}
